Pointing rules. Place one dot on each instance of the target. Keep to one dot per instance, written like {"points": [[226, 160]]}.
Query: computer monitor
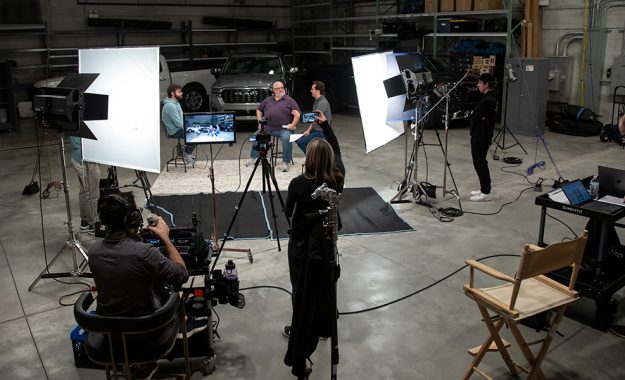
{"points": [[209, 128]]}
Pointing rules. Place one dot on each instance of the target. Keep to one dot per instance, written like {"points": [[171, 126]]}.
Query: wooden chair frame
{"points": [[526, 294]]}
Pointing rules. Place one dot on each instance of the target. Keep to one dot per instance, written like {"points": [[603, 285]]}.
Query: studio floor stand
{"points": [[215, 237], [500, 137], [73, 243], [268, 179]]}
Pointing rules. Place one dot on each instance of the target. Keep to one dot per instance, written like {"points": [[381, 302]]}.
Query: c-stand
{"points": [[215, 237], [72, 242], [417, 187], [263, 145], [331, 223], [500, 137]]}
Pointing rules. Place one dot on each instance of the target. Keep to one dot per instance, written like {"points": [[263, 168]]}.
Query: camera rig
{"points": [[219, 286], [263, 139]]}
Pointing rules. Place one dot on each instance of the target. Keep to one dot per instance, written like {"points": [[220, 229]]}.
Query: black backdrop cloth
{"points": [[361, 209]]}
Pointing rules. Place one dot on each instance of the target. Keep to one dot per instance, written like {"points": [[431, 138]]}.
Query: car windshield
{"points": [[252, 65]]}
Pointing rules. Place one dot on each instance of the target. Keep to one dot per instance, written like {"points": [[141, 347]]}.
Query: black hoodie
{"points": [[484, 115]]}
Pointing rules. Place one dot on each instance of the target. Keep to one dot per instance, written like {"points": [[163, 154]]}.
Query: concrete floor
{"points": [[422, 337]]}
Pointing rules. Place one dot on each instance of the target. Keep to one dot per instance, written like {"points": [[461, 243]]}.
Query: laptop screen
{"points": [[611, 181], [576, 192]]}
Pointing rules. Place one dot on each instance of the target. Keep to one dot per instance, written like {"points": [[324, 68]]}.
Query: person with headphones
{"points": [[129, 274]]}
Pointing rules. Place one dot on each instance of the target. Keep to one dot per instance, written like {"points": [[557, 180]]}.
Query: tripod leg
{"points": [[266, 175]]}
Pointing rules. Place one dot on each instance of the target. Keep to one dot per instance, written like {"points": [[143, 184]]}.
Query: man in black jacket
{"points": [[482, 120]]}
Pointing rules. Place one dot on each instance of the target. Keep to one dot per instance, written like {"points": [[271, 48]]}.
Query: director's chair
{"points": [[526, 294]]}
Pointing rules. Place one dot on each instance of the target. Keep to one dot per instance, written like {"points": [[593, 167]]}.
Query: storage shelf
{"points": [[468, 34], [407, 16]]}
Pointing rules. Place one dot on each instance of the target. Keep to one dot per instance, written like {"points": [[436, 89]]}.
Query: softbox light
{"points": [[130, 137], [383, 115]]}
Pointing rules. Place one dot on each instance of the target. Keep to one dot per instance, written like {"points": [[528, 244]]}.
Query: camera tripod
{"points": [[268, 177], [72, 242]]}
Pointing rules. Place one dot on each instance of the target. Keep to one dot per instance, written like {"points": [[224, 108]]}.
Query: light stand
{"points": [[215, 237], [500, 138], [72, 242]]}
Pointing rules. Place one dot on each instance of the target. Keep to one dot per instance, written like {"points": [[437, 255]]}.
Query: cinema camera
{"points": [[219, 286], [263, 139]]}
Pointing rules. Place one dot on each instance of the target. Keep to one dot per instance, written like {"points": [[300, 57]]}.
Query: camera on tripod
{"points": [[263, 139]]}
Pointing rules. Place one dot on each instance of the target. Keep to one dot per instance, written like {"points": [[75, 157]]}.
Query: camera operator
{"points": [[129, 273], [282, 114]]}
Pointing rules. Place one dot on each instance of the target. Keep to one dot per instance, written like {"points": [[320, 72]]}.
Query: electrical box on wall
{"points": [[543, 3]]}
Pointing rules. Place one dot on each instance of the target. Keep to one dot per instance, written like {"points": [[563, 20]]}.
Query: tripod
{"points": [[72, 242], [215, 237], [268, 178], [500, 138]]}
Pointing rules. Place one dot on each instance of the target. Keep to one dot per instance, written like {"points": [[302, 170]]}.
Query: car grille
{"points": [[245, 95]]}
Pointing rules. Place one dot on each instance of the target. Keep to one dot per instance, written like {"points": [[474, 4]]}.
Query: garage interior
{"points": [[423, 336]]}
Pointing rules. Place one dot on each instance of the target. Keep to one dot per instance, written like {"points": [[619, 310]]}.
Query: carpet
{"points": [[230, 176], [362, 211]]}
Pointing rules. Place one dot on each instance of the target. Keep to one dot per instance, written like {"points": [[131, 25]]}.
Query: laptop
{"points": [[578, 196], [611, 181]]}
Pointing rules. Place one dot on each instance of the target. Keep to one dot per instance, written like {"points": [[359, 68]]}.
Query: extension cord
{"points": [[539, 164]]}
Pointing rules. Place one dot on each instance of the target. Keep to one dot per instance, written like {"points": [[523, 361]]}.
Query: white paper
{"points": [[559, 196], [295, 136], [613, 200]]}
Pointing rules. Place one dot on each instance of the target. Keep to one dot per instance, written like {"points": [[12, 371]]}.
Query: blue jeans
{"points": [[188, 149], [287, 150], [303, 141]]}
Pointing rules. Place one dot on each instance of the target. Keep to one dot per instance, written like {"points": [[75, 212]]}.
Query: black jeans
{"points": [[479, 151]]}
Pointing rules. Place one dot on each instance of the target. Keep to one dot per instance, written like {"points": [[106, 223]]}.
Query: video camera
{"points": [[262, 139], [219, 286]]}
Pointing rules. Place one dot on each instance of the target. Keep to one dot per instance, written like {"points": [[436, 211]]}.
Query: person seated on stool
{"points": [[321, 104], [171, 115], [282, 115]]}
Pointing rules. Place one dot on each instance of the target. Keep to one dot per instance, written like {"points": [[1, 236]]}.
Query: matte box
{"points": [[447, 6], [484, 5], [464, 5]]}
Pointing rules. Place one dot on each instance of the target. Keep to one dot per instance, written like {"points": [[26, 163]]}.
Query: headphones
{"points": [[133, 218]]}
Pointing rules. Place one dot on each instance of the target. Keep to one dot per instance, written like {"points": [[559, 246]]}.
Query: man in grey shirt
{"points": [[314, 131]]}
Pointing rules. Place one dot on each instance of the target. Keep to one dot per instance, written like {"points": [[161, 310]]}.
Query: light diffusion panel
{"points": [[381, 116], [130, 138]]}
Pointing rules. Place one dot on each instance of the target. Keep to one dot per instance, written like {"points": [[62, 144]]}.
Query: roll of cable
{"points": [[513, 160]]}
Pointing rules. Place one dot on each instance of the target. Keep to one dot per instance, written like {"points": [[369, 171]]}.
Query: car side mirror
{"points": [[293, 70]]}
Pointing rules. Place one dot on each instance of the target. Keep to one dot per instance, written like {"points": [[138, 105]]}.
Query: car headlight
{"points": [[216, 90]]}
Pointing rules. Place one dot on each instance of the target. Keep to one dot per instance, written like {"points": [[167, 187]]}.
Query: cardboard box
{"points": [[464, 5], [486, 70], [483, 5], [430, 6], [447, 6]]}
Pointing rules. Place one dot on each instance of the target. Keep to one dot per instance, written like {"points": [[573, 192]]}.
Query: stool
{"points": [[276, 151], [177, 156]]}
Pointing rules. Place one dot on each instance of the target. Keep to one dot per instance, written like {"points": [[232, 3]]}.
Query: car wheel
{"points": [[193, 98]]}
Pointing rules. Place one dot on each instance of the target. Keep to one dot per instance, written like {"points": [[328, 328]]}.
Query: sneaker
{"points": [[285, 167], [145, 371], [481, 197], [189, 159], [196, 325], [84, 225], [286, 332], [251, 162], [475, 192]]}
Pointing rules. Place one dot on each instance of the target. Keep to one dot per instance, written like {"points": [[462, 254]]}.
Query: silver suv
{"points": [[245, 81]]}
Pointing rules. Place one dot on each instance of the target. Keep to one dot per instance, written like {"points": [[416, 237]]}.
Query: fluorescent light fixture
{"points": [[130, 137]]}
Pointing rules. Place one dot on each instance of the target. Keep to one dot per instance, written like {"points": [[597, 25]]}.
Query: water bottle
{"points": [[593, 187], [231, 271]]}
